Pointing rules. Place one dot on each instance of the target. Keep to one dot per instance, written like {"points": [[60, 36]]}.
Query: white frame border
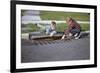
{"points": [[20, 65]]}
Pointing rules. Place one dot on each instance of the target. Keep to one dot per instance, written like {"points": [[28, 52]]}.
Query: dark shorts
{"points": [[74, 31]]}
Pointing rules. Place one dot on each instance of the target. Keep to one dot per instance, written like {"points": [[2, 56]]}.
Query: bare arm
{"points": [[67, 30]]}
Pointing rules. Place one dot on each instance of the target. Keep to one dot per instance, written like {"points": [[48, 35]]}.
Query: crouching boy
{"points": [[73, 29]]}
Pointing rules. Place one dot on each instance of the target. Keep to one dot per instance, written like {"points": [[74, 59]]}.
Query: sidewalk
{"points": [[39, 34]]}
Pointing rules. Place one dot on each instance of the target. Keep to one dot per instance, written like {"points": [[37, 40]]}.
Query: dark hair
{"points": [[53, 22]]}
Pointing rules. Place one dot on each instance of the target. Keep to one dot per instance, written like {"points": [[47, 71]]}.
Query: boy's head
{"points": [[68, 20], [53, 22]]}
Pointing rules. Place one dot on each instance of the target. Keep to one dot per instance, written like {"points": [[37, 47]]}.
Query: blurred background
{"points": [[38, 20]]}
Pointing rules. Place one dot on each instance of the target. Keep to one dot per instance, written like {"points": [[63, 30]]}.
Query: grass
{"points": [[85, 27], [51, 15], [62, 27], [30, 27]]}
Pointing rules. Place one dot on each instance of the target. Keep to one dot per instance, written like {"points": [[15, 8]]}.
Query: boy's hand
{"points": [[63, 37]]}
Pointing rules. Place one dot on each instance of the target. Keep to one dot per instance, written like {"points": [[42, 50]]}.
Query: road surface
{"points": [[61, 50]]}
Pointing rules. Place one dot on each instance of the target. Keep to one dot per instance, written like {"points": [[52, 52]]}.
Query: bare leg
{"points": [[52, 33]]}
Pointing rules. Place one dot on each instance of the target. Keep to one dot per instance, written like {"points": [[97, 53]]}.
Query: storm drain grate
{"points": [[49, 40]]}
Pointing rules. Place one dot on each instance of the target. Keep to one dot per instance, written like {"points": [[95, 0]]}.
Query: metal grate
{"points": [[49, 40]]}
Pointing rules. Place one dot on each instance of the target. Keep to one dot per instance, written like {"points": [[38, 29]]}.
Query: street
{"points": [[61, 50]]}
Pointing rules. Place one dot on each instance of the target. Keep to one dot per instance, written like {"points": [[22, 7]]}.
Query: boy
{"points": [[52, 29], [74, 29]]}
